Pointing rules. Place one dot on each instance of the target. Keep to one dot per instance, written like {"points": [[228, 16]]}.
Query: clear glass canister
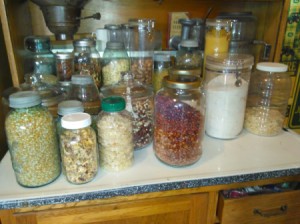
{"points": [[114, 61], [114, 32], [115, 135], [139, 103], [226, 87], [189, 55], [32, 140], [78, 146], [64, 65], [87, 59], [162, 64], [268, 95], [179, 121]]}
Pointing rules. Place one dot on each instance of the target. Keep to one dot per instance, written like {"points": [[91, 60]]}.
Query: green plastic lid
{"points": [[113, 104]]}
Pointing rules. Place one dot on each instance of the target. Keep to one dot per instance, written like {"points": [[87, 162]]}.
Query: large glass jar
{"points": [[87, 59], [114, 61], [226, 87], [267, 101], [179, 121], [32, 140], [139, 103], [162, 64], [78, 146], [115, 136]]}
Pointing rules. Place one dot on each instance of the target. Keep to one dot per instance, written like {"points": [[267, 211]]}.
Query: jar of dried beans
{"points": [[139, 103], [32, 140], [179, 121], [115, 136], [64, 66], [78, 146]]}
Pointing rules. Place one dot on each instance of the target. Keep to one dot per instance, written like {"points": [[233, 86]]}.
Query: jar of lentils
{"points": [[115, 136], [179, 121], [32, 140], [78, 146]]}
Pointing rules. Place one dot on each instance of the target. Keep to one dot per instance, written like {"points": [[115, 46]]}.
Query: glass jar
{"points": [[32, 140], [267, 101], [179, 121], [226, 87], [64, 65], [189, 55], [139, 103], [115, 136], [78, 146], [114, 32], [87, 59], [39, 57], [142, 49], [127, 36], [162, 64], [114, 61]]}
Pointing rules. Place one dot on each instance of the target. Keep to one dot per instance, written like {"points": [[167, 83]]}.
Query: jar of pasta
{"points": [[115, 135], [267, 100], [32, 140]]}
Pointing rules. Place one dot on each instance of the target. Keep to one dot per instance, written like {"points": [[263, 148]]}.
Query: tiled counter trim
{"points": [[127, 191]]}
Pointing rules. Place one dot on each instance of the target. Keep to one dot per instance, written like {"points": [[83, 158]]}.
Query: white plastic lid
{"points": [[189, 43], [76, 121], [24, 99], [70, 106], [271, 67]]}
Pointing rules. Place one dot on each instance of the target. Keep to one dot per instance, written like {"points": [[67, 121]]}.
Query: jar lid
{"points": [[37, 43], [84, 42], [113, 104], [189, 43], [115, 45], [76, 120], [162, 57], [24, 99], [82, 79], [230, 61], [218, 22], [240, 16], [185, 71], [70, 106], [181, 82], [112, 26], [271, 67], [64, 55]]}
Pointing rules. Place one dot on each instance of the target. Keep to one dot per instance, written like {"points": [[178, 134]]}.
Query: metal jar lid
{"points": [[64, 55], [84, 42], [70, 106], [82, 79], [181, 82], [115, 45], [24, 99]]}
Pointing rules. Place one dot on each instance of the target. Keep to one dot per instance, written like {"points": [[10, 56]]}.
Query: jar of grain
{"points": [[78, 146], [32, 140], [179, 121], [189, 55], [115, 135], [267, 101]]}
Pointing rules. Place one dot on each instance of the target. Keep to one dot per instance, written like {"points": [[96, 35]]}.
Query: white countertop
{"points": [[247, 154]]}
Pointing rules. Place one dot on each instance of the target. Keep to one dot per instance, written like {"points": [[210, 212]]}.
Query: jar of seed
{"points": [[64, 65], [78, 146], [32, 140]]}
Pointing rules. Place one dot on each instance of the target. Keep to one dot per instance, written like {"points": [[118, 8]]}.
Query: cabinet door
{"points": [[174, 209]]}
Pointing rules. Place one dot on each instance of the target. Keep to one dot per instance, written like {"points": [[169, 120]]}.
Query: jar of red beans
{"points": [[179, 121]]}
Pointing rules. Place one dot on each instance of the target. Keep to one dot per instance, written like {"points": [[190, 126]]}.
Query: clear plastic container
{"points": [[162, 65], [78, 146], [267, 101], [32, 140], [179, 121], [115, 135], [64, 65], [226, 87], [139, 103], [189, 55]]}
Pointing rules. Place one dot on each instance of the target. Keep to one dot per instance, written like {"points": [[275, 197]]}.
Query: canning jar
{"points": [[32, 140], [162, 64], [64, 65], [115, 136], [139, 103], [87, 59], [179, 121], [114, 32], [78, 146], [114, 61], [226, 87], [267, 101]]}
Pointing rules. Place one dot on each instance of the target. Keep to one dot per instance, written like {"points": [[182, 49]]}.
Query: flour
{"points": [[225, 106]]}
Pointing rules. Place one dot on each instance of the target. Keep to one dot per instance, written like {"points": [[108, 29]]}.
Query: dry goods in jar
{"points": [[142, 69], [111, 72]]}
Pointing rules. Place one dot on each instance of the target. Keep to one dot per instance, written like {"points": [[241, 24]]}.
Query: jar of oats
{"points": [[32, 140], [115, 136], [78, 146]]}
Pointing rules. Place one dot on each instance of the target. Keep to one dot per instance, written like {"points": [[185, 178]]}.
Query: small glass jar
{"points": [[127, 36], [267, 101], [179, 121], [64, 66], [114, 61], [162, 64], [114, 32], [87, 59], [32, 140], [78, 146], [115, 135], [226, 87], [139, 103], [189, 55]]}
